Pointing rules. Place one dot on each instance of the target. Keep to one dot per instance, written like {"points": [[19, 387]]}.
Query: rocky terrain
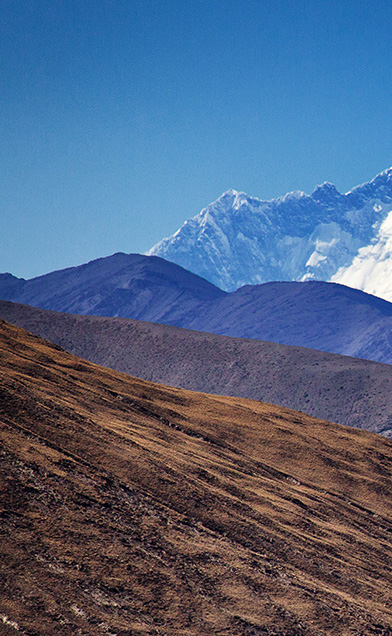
{"points": [[339, 388], [132, 508]]}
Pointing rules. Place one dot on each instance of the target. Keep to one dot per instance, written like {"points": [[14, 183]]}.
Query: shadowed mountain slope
{"points": [[339, 388], [130, 285], [133, 508], [323, 316]]}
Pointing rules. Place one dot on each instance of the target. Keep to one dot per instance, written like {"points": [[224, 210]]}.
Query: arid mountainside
{"points": [[133, 508], [338, 388], [315, 314]]}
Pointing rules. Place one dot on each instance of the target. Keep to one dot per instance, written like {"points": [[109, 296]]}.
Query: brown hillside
{"points": [[133, 508], [338, 388]]}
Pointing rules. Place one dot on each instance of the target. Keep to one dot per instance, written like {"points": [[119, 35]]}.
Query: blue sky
{"points": [[120, 119]]}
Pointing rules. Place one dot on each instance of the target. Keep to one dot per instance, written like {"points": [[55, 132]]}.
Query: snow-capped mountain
{"points": [[239, 240], [371, 268]]}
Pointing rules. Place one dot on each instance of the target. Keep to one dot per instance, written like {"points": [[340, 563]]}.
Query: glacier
{"points": [[239, 240]]}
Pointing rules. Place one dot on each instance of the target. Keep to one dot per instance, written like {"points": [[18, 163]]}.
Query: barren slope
{"points": [[315, 314], [339, 388], [131, 508]]}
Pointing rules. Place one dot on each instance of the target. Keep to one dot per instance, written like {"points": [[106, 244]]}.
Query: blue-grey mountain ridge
{"points": [[324, 316]]}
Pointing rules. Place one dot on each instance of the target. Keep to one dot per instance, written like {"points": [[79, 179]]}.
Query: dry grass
{"points": [[338, 388], [133, 508]]}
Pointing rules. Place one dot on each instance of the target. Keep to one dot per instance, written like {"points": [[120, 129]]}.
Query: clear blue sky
{"points": [[122, 118]]}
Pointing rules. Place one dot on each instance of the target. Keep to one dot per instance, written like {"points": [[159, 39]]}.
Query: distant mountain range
{"points": [[240, 240], [338, 388], [319, 315], [129, 285]]}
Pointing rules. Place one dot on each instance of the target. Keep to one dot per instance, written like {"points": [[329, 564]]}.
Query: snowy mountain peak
{"points": [[379, 187], [387, 173], [230, 193], [294, 194], [230, 199], [326, 192], [239, 240], [384, 175]]}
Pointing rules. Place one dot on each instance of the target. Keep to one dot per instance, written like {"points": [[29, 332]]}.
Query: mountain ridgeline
{"points": [[324, 316], [133, 508], [337, 388], [129, 285], [239, 240], [130, 507]]}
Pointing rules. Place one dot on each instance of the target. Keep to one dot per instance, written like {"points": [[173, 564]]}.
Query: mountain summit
{"points": [[239, 240]]}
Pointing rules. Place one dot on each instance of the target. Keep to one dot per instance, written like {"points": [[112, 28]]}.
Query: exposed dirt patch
{"points": [[133, 508]]}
